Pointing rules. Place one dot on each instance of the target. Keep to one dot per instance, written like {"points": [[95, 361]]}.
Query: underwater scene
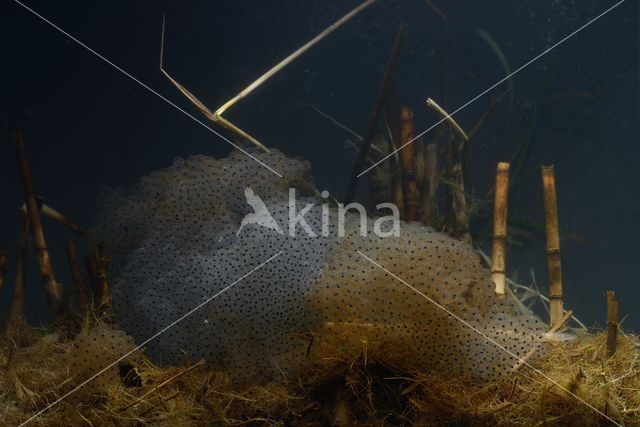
{"points": [[320, 213]]}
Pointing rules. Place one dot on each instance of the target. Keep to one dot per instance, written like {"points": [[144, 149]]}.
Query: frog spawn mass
{"points": [[176, 248]]}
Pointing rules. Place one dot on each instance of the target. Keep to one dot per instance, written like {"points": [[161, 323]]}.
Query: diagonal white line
{"points": [[145, 342], [153, 91], [472, 100], [485, 336]]}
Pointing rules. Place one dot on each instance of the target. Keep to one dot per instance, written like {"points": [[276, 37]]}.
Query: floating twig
{"points": [[553, 244], [54, 292], [217, 115], [375, 113], [499, 245]]}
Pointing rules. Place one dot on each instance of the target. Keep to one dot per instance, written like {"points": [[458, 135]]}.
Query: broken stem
{"points": [[438, 109], [52, 289]]}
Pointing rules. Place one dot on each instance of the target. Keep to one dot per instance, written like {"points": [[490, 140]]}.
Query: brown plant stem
{"points": [[54, 292], [57, 216], [553, 244], [612, 323], [407, 157], [456, 212], [92, 272], [429, 184], [449, 225], [499, 245], [16, 312], [103, 260], [393, 127], [375, 114], [459, 197], [78, 279], [3, 270]]}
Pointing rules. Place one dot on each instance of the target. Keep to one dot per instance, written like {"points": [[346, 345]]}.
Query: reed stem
{"points": [[78, 279], [54, 292], [553, 244], [499, 245]]}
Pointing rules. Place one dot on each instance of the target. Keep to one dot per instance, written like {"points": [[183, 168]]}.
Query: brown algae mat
{"points": [[39, 366]]}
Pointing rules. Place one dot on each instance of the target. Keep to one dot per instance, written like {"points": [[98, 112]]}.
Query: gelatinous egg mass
{"points": [[176, 245]]}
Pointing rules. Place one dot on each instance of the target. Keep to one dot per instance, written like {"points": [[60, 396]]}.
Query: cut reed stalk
{"points": [[54, 292], [499, 245], [78, 279], [553, 244], [407, 156], [612, 323]]}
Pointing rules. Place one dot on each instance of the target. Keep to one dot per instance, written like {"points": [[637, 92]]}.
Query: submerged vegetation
{"points": [[366, 390]]}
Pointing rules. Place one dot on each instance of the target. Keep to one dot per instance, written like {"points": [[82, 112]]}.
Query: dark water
{"points": [[87, 125]]}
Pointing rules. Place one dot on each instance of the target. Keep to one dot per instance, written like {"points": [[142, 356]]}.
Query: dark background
{"points": [[87, 126]]}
